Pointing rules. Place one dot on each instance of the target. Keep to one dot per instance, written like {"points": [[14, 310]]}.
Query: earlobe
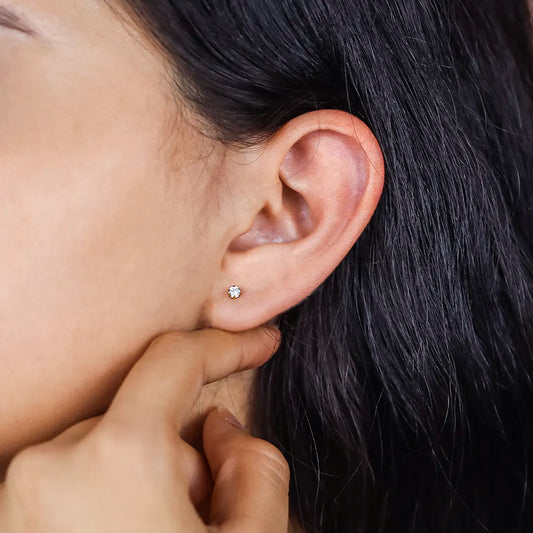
{"points": [[327, 170]]}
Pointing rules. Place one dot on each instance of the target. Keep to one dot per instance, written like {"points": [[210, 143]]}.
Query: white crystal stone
{"points": [[234, 292]]}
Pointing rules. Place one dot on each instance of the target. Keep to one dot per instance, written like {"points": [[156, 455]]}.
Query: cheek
{"points": [[90, 270], [92, 251], [85, 266], [83, 195]]}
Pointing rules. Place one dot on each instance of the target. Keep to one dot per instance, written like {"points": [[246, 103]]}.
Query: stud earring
{"points": [[234, 292]]}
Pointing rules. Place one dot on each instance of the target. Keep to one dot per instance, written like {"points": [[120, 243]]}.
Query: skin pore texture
{"points": [[119, 220]]}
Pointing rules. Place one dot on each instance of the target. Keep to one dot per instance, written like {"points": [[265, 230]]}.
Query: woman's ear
{"points": [[309, 196]]}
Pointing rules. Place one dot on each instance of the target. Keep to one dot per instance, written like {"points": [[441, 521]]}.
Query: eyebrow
{"points": [[11, 20]]}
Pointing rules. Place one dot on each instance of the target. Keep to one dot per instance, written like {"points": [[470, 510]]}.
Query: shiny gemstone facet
{"points": [[234, 292]]}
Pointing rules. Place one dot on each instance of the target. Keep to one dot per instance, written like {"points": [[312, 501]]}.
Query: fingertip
{"points": [[273, 334], [220, 433], [242, 464]]}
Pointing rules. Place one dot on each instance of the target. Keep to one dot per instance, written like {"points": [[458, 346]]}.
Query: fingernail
{"points": [[230, 417]]}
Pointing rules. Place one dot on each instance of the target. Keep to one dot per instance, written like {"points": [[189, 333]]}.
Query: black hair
{"points": [[402, 394]]}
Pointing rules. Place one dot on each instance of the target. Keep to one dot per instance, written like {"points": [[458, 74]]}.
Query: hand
{"points": [[129, 470]]}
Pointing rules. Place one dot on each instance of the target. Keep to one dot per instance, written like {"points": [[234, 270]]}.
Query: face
{"points": [[103, 188]]}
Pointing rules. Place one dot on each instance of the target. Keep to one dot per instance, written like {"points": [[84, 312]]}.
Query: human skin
{"points": [[128, 470], [94, 221], [120, 220]]}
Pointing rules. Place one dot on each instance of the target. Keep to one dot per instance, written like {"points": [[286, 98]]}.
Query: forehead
{"points": [[61, 20], [89, 33], [80, 64]]}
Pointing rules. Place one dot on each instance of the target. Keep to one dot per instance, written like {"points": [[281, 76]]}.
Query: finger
{"points": [[251, 479], [195, 467], [198, 474], [166, 382], [75, 433]]}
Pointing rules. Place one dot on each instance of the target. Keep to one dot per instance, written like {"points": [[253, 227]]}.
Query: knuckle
{"points": [[127, 446], [115, 440]]}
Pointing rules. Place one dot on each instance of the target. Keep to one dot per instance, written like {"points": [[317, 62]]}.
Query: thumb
{"points": [[251, 489]]}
